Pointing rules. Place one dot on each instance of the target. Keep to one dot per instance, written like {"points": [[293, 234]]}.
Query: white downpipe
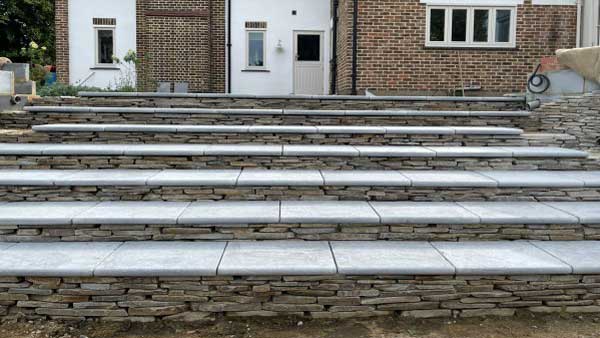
{"points": [[579, 22]]}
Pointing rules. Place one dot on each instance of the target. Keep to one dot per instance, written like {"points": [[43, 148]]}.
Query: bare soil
{"points": [[524, 325]]}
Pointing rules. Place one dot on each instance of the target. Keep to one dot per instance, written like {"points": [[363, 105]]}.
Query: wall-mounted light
{"points": [[280, 46]]}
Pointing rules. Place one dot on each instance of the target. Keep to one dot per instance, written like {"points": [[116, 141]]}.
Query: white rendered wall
{"points": [[82, 40], [312, 15]]}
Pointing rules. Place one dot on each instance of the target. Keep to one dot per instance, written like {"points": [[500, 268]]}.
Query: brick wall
{"points": [[392, 53], [174, 42], [61, 21]]}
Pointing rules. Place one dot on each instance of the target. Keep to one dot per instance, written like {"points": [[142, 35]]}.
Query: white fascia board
{"points": [[487, 3], [555, 2]]}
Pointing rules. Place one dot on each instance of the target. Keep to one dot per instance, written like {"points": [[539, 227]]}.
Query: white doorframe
{"points": [[320, 90]]}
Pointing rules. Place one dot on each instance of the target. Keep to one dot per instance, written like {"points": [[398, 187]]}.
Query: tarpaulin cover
{"points": [[585, 61]]}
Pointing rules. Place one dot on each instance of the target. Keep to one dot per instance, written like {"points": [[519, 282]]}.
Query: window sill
{"points": [[490, 48], [105, 68], [256, 71]]}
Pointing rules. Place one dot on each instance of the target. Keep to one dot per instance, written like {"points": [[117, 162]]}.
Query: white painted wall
{"points": [[312, 15], [590, 16], [82, 40]]}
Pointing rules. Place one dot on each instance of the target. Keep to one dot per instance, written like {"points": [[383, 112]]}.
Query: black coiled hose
{"points": [[538, 83]]}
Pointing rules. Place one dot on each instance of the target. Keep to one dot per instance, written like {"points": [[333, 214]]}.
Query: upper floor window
{"points": [[104, 31], [458, 26]]}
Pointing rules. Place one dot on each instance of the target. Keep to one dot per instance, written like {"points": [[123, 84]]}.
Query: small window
{"points": [[256, 49], [105, 45], [309, 47], [490, 27]]}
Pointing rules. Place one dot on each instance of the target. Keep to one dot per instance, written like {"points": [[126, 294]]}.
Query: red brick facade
{"points": [[182, 40], [392, 55], [61, 22]]}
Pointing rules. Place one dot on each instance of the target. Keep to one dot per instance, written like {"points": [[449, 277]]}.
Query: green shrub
{"points": [[59, 89]]}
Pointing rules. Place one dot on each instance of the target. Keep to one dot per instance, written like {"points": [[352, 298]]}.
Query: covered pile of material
{"points": [[584, 61]]}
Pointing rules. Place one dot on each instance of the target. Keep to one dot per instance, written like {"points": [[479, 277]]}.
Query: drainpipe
{"points": [[354, 46], [579, 22], [334, 56], [229, 46]]}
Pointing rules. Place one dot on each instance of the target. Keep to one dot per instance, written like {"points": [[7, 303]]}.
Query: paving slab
{"points": [[19, 177], [140, 128], [394, 151], [412, 130], [243, 150], [582, 256], [532, 179], [165, 149], [500, 258], [486, 131], [226, 177], [84, 149], [283, 129], [22, 148], [423, 213], [518, 213], [211, 129], [231, 212], [163, 259], [276, 258], [54, 128], [319, 150], [309, 112], [54, 259], [130, 177], [42, 213], [586, 212], [447, 178], [252, 177], [328, 212], [380, 178], [350, 130], [125, 212], [389, 258], [545, 152], [590, 178], [470, 152]]}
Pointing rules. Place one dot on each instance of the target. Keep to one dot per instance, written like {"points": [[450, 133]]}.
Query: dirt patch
{"points": [[524, 325]]}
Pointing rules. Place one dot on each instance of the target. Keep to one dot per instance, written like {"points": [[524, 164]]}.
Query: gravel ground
{"points": [[525, 325]]}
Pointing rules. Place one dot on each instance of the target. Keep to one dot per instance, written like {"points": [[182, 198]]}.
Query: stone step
{"points": [[270, 156], [149, 281], [298, 220], [359, 116], [283, 134]]}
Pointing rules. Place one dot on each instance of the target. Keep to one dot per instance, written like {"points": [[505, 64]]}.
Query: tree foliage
{"points": [[24, 21]]}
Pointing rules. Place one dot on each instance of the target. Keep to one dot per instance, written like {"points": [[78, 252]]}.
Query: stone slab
{"points": [[447, 178], [389, 258], [412, 130], [163, 259], [500, 258], [84, 149], [518, 213], [227, 177], [125, 212], [350, 130], [244, 150], [318, 150], [394, 151], [7, 83], [22, 148], [211, 129], [423, 213], [486, 131], [590, 178], [275, 258], [42, 213], [283, 129], [280, 178], [531, 179], [463, 152], [582, 256], [54, 259], [586, 212], [130, 177], [231, 212], [18, 177], [20, 71], [328, 212], [165, 149], [545, 152], [365, 178]]}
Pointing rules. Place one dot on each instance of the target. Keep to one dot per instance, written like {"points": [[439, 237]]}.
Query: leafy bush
{"points": [[59, 89]]}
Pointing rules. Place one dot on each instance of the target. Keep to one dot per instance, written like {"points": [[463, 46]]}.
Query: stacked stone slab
{"points": [[145, 207]]}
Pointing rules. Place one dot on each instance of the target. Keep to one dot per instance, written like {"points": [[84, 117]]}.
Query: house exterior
{"points": [[317, 46]]}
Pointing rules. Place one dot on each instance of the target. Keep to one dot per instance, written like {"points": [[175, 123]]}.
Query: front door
{"points": [[309, 71]]}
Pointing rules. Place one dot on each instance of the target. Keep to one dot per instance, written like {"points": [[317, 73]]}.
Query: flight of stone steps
{"points": [[144, 207]]}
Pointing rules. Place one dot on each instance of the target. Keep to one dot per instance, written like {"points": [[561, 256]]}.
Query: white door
{"points": [[309, 70]]}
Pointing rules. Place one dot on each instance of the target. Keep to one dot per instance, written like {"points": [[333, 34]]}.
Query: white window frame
{"points": [[96, 42], [246, 61], [491, 43]]}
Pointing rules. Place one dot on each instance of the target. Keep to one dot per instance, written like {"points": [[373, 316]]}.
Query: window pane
{"points": [[256, 41], [437, 22], [309, 48], [105, 46], [480, 25], [503, 25], [459, 25]]}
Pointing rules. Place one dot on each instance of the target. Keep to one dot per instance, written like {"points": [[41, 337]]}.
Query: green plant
{"points": [[38, 58], [126, 81], [59, 89]]}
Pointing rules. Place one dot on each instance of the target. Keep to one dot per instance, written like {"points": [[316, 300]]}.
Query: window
{"points": [[104, 30], [256, 49], [487, 27]]}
